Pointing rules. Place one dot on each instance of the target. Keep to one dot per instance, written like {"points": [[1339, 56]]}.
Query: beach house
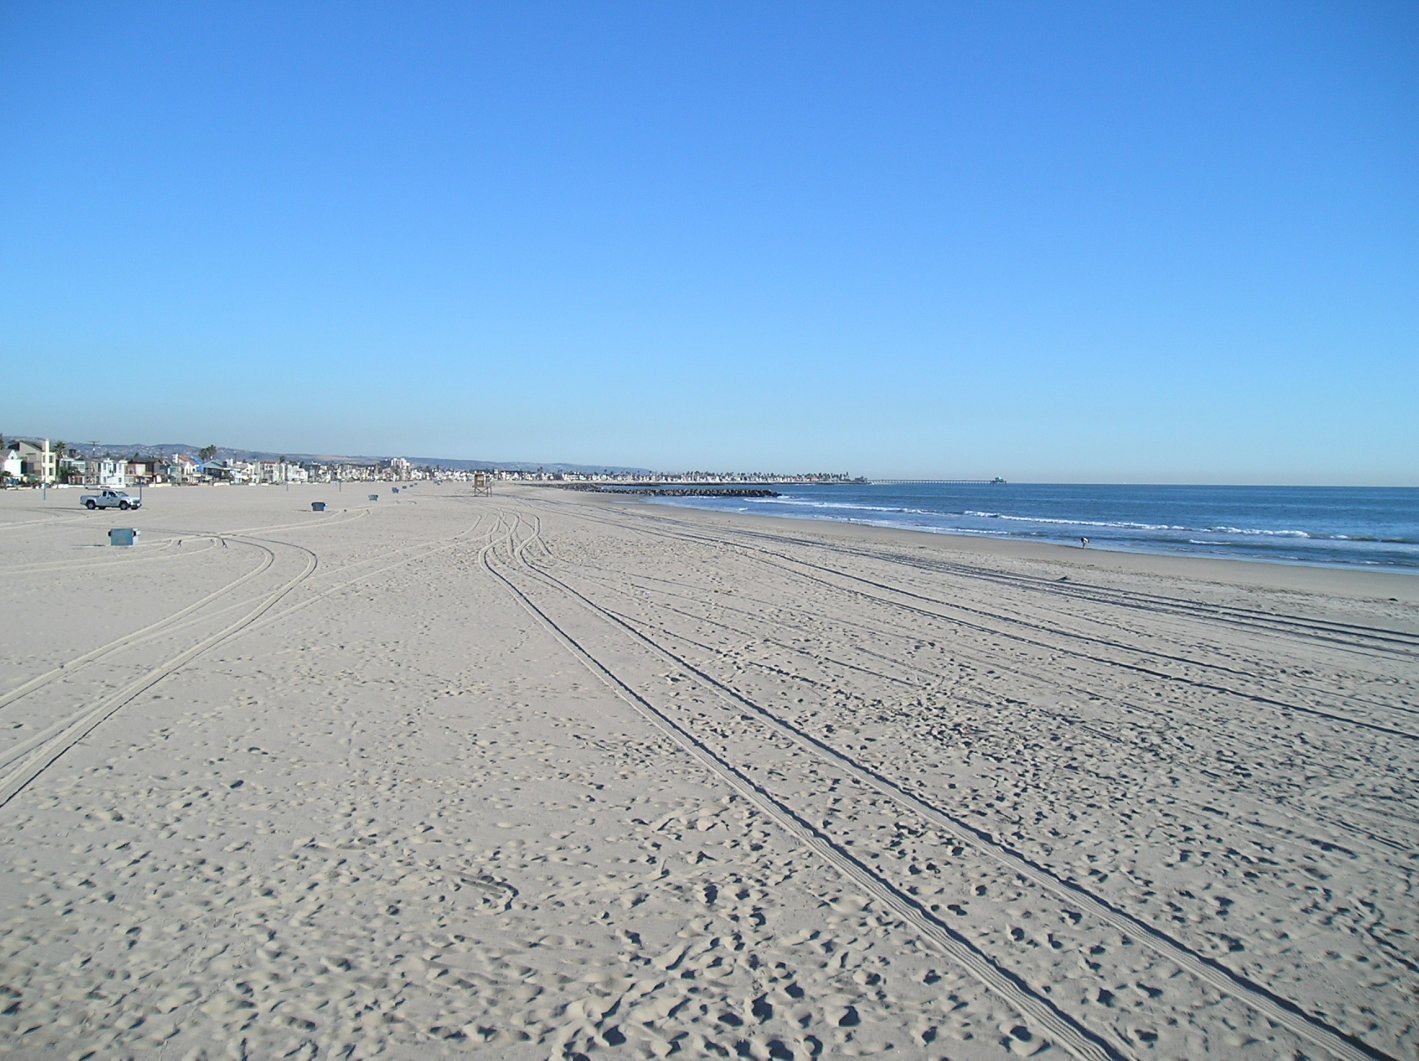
{"points": [[37, 460], [11, 467], [178, 469], [108, 472]]}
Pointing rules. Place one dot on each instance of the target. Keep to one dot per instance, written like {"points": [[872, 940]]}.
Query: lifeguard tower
{"points": [[482, 484]]}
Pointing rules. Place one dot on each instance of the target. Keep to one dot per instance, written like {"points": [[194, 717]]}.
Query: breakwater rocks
{"points": [[696, 491], [676, 491]]}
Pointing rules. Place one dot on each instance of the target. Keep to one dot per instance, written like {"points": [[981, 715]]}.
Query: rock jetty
{"points": [[675, 491]]}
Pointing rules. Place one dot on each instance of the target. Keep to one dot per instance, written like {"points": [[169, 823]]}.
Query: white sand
{"points": [[542, 774]]}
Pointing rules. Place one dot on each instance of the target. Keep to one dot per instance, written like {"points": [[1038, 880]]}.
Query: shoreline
{"points": [[1312, 578], [1316, 546]]}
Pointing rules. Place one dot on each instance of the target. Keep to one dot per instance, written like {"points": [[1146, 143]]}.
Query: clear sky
{"points": [[1139, 242]]}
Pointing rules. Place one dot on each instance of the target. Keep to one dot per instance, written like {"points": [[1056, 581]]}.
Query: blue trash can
{"points": [[394, 490], [374, 497], [122, 536], [317, 506]]}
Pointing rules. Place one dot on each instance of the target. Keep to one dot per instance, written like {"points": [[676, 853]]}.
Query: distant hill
{"points": [[169, 449], [522, 466]]}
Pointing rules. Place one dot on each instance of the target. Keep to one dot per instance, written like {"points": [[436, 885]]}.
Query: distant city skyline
{"points": [[1055, 243]]}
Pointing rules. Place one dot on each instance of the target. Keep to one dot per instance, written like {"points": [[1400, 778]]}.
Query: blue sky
{"points": [[1051, 241]]}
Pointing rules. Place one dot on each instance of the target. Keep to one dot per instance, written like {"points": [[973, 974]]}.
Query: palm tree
{"points": [[59, 449]]}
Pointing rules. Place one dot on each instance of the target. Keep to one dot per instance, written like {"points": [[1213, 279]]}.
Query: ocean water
{"points": [[1325, 526]]}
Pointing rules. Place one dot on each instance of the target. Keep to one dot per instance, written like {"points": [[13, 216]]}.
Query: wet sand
{"points": [[548, 774]]}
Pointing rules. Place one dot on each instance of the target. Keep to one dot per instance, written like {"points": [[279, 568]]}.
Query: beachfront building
{"points": [[11, 468], [340, 473], [274, 473], [106, 472], [37, 460], [114, 473], [225, 471], [178, 469], [71, 470]]}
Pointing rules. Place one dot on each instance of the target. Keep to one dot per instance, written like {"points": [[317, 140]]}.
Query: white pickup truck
{"points": [[110, 499]]}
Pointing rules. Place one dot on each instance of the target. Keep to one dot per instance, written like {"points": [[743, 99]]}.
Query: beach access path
{"points": [[547, 774]]}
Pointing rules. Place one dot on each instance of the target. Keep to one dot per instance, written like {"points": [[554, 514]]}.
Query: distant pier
{"points": [[997, 481]]}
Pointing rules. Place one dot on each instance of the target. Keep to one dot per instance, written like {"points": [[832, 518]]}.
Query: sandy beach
{"points": [[548, 774]]}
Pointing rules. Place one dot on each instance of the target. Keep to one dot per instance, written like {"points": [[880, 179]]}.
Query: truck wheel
{"points": [[123, 505], [91, 505]]}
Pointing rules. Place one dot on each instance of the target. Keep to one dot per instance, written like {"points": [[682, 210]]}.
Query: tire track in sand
{"points": [[1041, 1011], [49, 747], [1226, 981]]}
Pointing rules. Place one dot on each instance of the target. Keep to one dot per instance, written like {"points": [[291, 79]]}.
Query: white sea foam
{"points": [[1112, 524], [846, 506], [1261, 532]]}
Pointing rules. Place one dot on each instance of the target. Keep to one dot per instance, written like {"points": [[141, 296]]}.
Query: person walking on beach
{"points": [[1083, 543]]}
